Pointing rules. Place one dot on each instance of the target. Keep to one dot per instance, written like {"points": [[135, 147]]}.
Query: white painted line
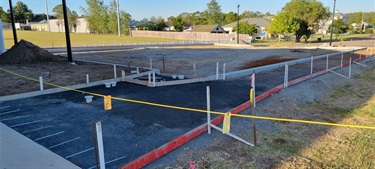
{"points": [[64, 142], [75, 154], [23, 124], [111, 161], [51, 135], [12, 111], [13, 118], [41, 128], [4, 107]]}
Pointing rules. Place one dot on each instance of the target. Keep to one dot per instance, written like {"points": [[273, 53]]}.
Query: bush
{"points": [[369, 31]]}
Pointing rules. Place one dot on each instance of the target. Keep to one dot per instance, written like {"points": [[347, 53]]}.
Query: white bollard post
{"points": [[286, 75], [150, 63], [99, 137], [153, 79], [312, 66], [217, 70], [208, 110], [342, 59], [350, 68], [2, 43], [137, 70], [223, 71], [115, 71], [41, 83], [87, 78], [149, 78], [327, 64], [122, 75]]}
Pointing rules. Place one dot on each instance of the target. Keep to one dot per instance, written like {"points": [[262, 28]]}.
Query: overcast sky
{"points": [[140, 9]]}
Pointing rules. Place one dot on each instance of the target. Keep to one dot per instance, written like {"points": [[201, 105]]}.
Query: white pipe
{"points": [[312, 66], [123, 75], [153, 79], [327, 64], [41, 83], [149, 78], [208, 110], [350, 68], [99, 137], [217, 70], [114, 71], [223, 71], [285, 76], [87, 78], [194, 69], [150, 63], [2, 43], [137, 70], [342, 59]]}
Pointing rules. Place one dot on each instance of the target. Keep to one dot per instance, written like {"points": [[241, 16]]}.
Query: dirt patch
{"points": [[26, 52], [266, 61]]}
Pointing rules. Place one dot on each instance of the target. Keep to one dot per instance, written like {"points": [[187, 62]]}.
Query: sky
{"points": [[140, 9]]}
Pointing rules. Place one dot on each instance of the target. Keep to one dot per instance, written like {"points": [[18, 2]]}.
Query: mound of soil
{"points": [[26, 52], [266, 61]]}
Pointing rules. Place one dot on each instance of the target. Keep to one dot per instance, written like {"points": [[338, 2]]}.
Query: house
{"points": [[324, 24], [364, 25], [261, 24], [39, 26], [208, 28]]}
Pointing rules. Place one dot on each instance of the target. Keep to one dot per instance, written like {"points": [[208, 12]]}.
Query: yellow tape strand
{"points": [[199, 110]]}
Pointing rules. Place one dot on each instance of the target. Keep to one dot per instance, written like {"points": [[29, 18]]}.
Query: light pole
{"points": [[238, 24], [49, 27], [13, 22], [67, 35], [118, 19], [333, 21]]}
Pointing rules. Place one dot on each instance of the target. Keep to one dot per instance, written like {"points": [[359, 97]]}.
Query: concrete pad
{"points": [[18, 151]]}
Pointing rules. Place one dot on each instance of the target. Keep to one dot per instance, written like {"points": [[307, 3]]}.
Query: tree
{"points": [[72, 21], [245, 28], [215, 16], [4, 16], [307, 13], [170, 20], [96, 15], [283, 23], [178, 24], [22, 13], [339, 27], [230, 17]]}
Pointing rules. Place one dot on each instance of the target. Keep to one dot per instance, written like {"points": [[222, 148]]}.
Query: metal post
{"points": [[153, 79], [41, 83], [223, 71], [342, 59], [163, 65], [327, 64], [118, 18], [2, 43], [93, 132], [194, 69], [254, 113], [49, 26], [217, 70], [67, 33], [208, 110], [150, 63], [87, 78], [333, 21], [367, 52], [114, 71], [286, 78], [360, 56], [238, 24], [149, 78], [350, 68], [123, 75], [312, 66], [13, 22], [99, 138]]}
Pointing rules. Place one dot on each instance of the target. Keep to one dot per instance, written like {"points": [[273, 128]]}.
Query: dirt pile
{"points": [[26, 52]]}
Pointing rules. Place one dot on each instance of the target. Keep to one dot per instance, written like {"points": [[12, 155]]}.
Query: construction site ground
{"points": [[134, 129]]}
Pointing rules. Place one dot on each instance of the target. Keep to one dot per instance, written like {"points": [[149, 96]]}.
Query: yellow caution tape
{"points": [[199, 110]]}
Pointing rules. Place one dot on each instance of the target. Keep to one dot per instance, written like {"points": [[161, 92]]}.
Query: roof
{"points": [[257, 21], [339, 14], [204, 28]]}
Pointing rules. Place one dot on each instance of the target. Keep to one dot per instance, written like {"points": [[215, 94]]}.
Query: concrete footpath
{"points": [[18, 151]]}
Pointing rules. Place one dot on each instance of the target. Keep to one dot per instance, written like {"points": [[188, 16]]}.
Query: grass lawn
{"points": [[56, 39]]}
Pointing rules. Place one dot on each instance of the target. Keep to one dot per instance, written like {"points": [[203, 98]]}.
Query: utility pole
{"points": [[118, 19], [333, 21], [13, 22], [362, 25], [49, 27], [67, 33], [238, 24]]}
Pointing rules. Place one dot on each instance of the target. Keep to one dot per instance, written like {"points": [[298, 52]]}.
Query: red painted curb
{"points": [[177, 142]]}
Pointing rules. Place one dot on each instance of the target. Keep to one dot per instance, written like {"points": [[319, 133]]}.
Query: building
{"points": [[324, 24], [57, 25], [261, 24], [39, 26], [6, 25], [208, 28]]}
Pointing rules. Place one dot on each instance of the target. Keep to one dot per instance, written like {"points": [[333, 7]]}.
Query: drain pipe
{"points": [[2, 44]]}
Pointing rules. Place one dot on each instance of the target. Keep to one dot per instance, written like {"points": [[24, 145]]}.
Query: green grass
{"points": [[55, 39]]}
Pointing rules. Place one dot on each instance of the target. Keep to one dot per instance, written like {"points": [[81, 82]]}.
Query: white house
{"points": [[260, 23], [57, 25], [324, 24]]}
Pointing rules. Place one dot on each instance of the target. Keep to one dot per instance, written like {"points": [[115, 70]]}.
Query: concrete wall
{"points": [[186, 35]]}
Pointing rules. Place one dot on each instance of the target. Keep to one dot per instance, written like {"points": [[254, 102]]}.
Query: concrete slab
{"points": [[18, 151]]}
